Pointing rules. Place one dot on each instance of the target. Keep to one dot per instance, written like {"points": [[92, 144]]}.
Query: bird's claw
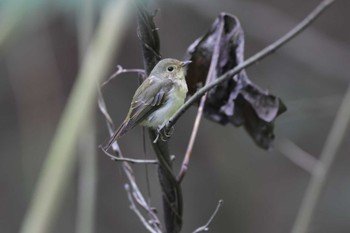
{"points": [[164, 134], [168, 133]]}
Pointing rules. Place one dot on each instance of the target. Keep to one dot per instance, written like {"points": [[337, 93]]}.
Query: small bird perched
{"points": [[157, 98]]}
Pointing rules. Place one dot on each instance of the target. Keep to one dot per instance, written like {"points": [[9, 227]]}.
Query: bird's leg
{"points": [[169, 132], [166, 134], [163, 133]]}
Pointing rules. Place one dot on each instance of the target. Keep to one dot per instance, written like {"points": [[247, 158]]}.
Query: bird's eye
{"points": [[170, 68]]}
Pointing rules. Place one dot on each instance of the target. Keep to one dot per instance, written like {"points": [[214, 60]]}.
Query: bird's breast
{"points": [[181, 86], [174, 99]]}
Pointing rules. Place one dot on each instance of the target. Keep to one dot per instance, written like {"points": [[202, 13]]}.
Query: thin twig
{"points": [[121, 70], [129, 160], [206, 226], [103, 108], [137, 212], [125, 165], [297, 155], [186, 160], [252, 60], [151, 211], [333, 142], [210, 77], [146, 206], [144, 148], [154, 221], [127, 168]]}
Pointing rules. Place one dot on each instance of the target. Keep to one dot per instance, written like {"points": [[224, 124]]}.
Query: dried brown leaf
{"points": [[237, 100]]}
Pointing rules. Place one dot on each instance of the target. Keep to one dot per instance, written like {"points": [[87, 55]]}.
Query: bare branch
{"points": [[129, 160], [297, 155], [333, 142], [121, 70], [137, 212], [210, 77], [206, 226], [110, 125], [155, 223], [145, 205], [186, 160], [252, 60]]}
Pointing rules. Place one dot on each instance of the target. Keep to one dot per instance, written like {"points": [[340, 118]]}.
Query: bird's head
{"points": [[170, 68]]}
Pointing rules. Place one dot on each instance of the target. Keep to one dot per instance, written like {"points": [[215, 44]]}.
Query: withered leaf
{"points": [[237, 100]]}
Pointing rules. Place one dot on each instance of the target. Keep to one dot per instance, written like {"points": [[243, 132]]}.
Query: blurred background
{"points": [[41, 49]]}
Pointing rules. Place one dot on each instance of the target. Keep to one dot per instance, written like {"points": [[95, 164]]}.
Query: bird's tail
{"points": [[123, 128]]}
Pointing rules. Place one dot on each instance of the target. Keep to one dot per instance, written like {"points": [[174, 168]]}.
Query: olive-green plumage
{"points": [[157, 98]]}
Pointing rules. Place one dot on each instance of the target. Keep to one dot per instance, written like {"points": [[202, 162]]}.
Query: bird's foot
{"points": [[166, 133], [163, 133]]}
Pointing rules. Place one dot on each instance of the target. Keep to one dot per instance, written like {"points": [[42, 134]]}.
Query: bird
{"points": [[159, 96]]}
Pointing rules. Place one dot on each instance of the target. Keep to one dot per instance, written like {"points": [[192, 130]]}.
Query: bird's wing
{"points": [[148, 97]]}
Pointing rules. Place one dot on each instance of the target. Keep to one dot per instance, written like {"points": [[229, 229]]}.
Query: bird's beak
{"points": [[185, 63]]}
